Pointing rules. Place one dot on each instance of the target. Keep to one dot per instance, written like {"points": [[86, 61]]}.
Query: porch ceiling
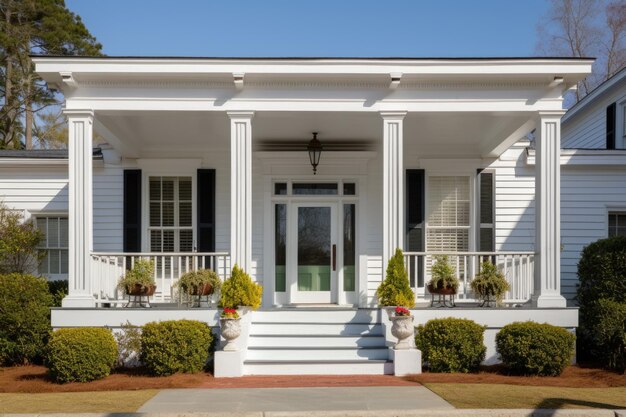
{"points": [[431, 135]]}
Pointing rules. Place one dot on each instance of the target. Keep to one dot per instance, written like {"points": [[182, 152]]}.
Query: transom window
{"points": [[55, 243], [170, 224], [617, 223], [346, 188]]}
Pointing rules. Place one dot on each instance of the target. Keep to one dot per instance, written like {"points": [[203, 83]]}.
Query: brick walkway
{"points": [[303, 381]]}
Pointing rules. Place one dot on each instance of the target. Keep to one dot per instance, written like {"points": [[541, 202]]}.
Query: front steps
{"points": [[316, 341]]}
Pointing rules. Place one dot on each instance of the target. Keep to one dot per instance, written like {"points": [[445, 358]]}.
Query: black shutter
{"points": [[206, 210], [610, 126], [132, 210], [415, 209], [486, 210]]}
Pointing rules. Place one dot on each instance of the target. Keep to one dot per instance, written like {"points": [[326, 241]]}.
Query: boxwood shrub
{"points": [[173, 346], [451, 344], [24, 318], [605, 333], [530, 348], [81, 354]]}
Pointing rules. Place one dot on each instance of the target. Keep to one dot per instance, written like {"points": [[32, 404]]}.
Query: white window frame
{"points": [[34, 216], [613, 211]]}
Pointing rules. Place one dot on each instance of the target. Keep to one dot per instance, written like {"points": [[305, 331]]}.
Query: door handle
{"points": [[334, 256]]}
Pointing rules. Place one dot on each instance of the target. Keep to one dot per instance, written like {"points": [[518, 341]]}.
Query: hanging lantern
{"points": [[315, 151]]}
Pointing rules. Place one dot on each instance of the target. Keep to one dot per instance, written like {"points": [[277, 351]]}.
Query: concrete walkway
{"points": [[294, 399]]}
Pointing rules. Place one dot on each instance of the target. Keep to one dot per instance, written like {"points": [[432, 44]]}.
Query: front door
{"points": [[314, 272]]}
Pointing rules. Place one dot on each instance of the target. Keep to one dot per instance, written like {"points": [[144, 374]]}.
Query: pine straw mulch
{"points": [[575, 376]]}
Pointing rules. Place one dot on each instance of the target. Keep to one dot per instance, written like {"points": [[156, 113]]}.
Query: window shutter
{"points": [[206, 210], [415, 204], [132, 210], [486, 210], [610, 126]]}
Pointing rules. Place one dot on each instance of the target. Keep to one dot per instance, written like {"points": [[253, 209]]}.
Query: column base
{"points": [[406, 361], [549, 301], [72, 301], [228, 364]]}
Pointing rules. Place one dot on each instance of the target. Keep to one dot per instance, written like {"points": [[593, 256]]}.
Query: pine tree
{"points": [[395, 290]]}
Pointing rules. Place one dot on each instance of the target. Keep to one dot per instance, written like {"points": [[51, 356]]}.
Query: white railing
{"points": [[107, 269], [518, 269]]}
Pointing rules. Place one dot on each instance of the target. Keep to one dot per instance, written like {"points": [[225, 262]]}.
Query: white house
{"points": [[208, 166]]}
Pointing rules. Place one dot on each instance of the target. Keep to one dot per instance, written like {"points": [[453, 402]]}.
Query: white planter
{"points": [[402, 328], [230, 330]]}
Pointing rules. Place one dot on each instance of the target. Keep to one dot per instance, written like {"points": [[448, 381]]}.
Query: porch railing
{"points": [[518, 269], [107, 268]]}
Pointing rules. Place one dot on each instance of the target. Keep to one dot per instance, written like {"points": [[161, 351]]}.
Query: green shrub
{"points": [[443, 274], [129, 345], [489, 284], [24, 318], [606, 339], [142, 274], [169, 347], [395, 290], [451, 344], [240, 290], [58, 289], [530, 348], [602, 271], [19, 243], [81, 354]]}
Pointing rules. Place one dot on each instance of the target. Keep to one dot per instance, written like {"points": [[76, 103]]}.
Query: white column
{"points": [[80, 148], [393, 184], [548, 211], [240, 189]]}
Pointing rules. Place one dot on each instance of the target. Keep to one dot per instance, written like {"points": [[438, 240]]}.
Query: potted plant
{"points": [[443, 281], [199, 283], [402, 327], [139, 281], [239, 291], [230, 327], [395, 290], [489, 284]]}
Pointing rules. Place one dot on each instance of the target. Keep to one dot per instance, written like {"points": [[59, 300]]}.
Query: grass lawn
{"points": [[517, 396], [75, 402]]}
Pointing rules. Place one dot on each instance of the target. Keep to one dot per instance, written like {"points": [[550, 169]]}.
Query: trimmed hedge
{"points": [[451, 344], [530, 348], [602, 271], [24, 318], [605, 335], [81, 354], [173, 346]]}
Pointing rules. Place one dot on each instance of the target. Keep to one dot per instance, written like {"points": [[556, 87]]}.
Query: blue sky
{"points": [[425, 28]]}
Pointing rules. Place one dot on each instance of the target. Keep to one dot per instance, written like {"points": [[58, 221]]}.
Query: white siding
{"points": [[108, 205], [587, 128]]}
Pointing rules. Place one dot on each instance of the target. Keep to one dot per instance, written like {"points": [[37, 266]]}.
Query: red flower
{"points": [[401, 311]]}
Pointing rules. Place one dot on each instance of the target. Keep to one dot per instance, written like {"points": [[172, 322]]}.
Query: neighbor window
{"points": [[617, 223], [55, 245], [170, 223]]}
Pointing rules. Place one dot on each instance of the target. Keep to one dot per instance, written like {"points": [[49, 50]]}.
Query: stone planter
{"points": [[402, 329], [230, 330]]}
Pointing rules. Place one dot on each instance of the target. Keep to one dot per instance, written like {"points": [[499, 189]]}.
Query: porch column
{"points": [[240, 189], [393, 184], [547, 291], [80, 149]]}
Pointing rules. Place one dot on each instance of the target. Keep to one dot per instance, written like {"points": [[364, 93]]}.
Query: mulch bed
{"points": [[35, 379], [576, 376]]}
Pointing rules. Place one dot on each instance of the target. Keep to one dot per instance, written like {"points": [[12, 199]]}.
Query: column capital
{"points": [[85, 113], [240, 114], [553, 114], [393, 115]]}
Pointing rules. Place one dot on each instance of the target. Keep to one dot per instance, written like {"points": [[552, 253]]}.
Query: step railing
{"points": [[517, 267], [107, 269]]}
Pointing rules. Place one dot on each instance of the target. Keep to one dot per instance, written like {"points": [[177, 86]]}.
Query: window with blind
{"points": [[55, 243], [171, 222], [448, 220]]}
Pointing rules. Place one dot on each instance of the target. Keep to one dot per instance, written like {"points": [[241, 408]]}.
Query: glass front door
{"points": [[316, 253]]}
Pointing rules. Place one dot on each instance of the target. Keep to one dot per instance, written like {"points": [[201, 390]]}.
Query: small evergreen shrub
{"points": [[81, 354], [489, 284], [19, 243], [173, 346], [451, 344], [443, 274], [607, 337], [239, 290], [395, 290], [58, 289], [24, 318], [129, 345], [530, 348]]}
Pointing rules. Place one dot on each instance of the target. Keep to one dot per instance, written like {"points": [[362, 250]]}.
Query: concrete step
{"points": [[315, 329], [304, 354], [268, 340], [322, 367]]}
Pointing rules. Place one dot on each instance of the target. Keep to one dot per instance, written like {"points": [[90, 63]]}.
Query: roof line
{"points": [[593, 94]]}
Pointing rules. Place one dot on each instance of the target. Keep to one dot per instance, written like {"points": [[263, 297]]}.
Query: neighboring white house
{"points": [[208, 166]]}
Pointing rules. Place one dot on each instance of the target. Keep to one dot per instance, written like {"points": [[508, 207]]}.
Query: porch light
{"points": [[315, 150]]}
